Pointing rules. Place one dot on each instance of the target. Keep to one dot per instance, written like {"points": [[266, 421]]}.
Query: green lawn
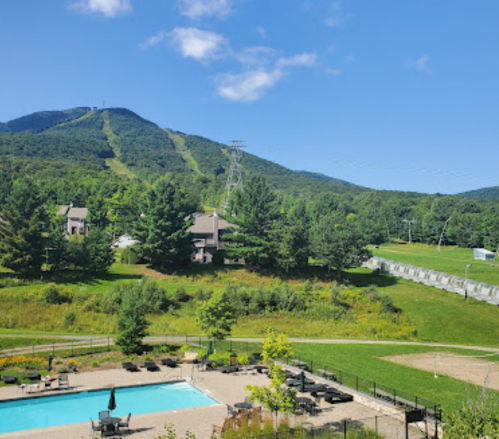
{"points": [[450, 260], [12, 342], [365, 361], [439, 316]]}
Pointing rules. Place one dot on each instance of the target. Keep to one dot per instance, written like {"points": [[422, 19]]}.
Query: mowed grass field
{"points": [[366, 362], [451, 260]]}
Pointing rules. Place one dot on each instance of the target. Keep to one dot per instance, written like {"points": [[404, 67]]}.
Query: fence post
{"points": [[311, 366], [376, 424], [345, 429], [53, 349], [108, 344], [72, 348], [230, 345], [356, 383], [33, 350], [374, 384], [91, 345], [186, 342]]}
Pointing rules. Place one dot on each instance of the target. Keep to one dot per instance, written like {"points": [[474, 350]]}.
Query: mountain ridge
{"points": [[133, 146]]}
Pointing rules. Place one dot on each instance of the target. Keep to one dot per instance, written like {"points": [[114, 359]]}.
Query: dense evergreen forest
{"points": [[108, 159]]}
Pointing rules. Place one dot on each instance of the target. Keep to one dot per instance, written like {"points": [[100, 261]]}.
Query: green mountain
{"points": [[487, 193], [44, 119], [124, 142]]}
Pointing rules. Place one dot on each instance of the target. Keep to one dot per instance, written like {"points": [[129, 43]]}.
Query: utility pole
{"points": [[235, 177], [409, 222], [442, 234]]}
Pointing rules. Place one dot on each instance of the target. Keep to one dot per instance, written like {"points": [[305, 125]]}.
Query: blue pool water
{"points": [[80, 407]]}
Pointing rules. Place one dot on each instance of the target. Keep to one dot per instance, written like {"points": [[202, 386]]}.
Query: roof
{"points": [[484, 250], [203, 224], [77, 212], [63, 210]]}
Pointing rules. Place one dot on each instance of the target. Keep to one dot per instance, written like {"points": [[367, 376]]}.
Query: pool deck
{"points": [[224, 388]]}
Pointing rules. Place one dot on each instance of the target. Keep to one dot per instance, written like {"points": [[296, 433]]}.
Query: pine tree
{"points": [[22, 246], [97, 252], [131, 322], [255, 212], [162, 228]]}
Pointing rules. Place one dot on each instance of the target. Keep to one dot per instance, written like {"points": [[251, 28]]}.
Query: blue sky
{"points": [[389, 94]]}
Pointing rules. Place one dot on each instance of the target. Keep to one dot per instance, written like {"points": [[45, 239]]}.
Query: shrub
{"points": [[132, 255], [221, 359], [55, 296], [69, 317]]}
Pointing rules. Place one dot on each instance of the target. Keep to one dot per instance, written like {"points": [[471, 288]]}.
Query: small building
{"points": [[76, 219], [483, 254], [207, 232]]}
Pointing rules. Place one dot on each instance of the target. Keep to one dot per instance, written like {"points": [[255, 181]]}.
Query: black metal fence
{"points": [[369, 387]]}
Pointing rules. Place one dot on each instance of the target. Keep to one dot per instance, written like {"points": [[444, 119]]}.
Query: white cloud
{"points": [[334, 72], [304, 59], [262, 32], [420, 64], [248, 86], [256, 56], [252, 84], [196, 9], [154, 39], [350, 58], [335, 15], [108, 8], [199, 44]]}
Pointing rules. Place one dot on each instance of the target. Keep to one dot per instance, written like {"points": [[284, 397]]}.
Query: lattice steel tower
{"points": [[235, 178]]}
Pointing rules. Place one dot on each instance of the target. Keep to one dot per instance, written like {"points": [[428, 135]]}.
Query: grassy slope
{"points": [[439, 316], [180, 147], [114, 164], [450, 260]]}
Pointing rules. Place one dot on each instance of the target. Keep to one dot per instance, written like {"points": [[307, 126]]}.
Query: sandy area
{"points": [[226, 389], [471, 370]]}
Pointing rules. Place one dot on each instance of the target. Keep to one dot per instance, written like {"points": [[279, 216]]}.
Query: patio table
{"points": [[243, 405]]}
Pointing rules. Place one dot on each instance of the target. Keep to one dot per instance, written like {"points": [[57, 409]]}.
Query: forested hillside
{"points": [[487, 193], [109, 158]]}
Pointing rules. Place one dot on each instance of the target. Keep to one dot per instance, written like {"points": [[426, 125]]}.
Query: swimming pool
{"points": [[80, 407]]}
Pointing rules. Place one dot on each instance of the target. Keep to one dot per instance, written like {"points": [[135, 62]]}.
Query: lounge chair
{"points": [[130, 367], [230, 369], [168, 362], [9, 379], [63, 382], [34, 376], [151, 366]]}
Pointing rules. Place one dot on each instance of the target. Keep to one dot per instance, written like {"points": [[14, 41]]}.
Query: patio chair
{"points": [[130, 367], [94, 428], [125, 424], [229, 369], [104, 414], [63, 382], [151, 366]]}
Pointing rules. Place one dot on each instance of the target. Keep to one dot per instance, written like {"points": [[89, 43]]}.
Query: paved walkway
{"points": [[75, 342]]}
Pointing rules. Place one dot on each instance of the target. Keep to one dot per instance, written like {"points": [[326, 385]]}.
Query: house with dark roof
{"points": [[207, 232], [76, 219]]}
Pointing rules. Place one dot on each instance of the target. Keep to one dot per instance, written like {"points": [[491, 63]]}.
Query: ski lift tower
{"points": [[235, 177]]}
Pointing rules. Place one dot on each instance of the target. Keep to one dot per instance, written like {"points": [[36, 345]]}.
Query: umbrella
{"points": [[301, 388], [210, 349], [112, 402], [49, 366]]}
